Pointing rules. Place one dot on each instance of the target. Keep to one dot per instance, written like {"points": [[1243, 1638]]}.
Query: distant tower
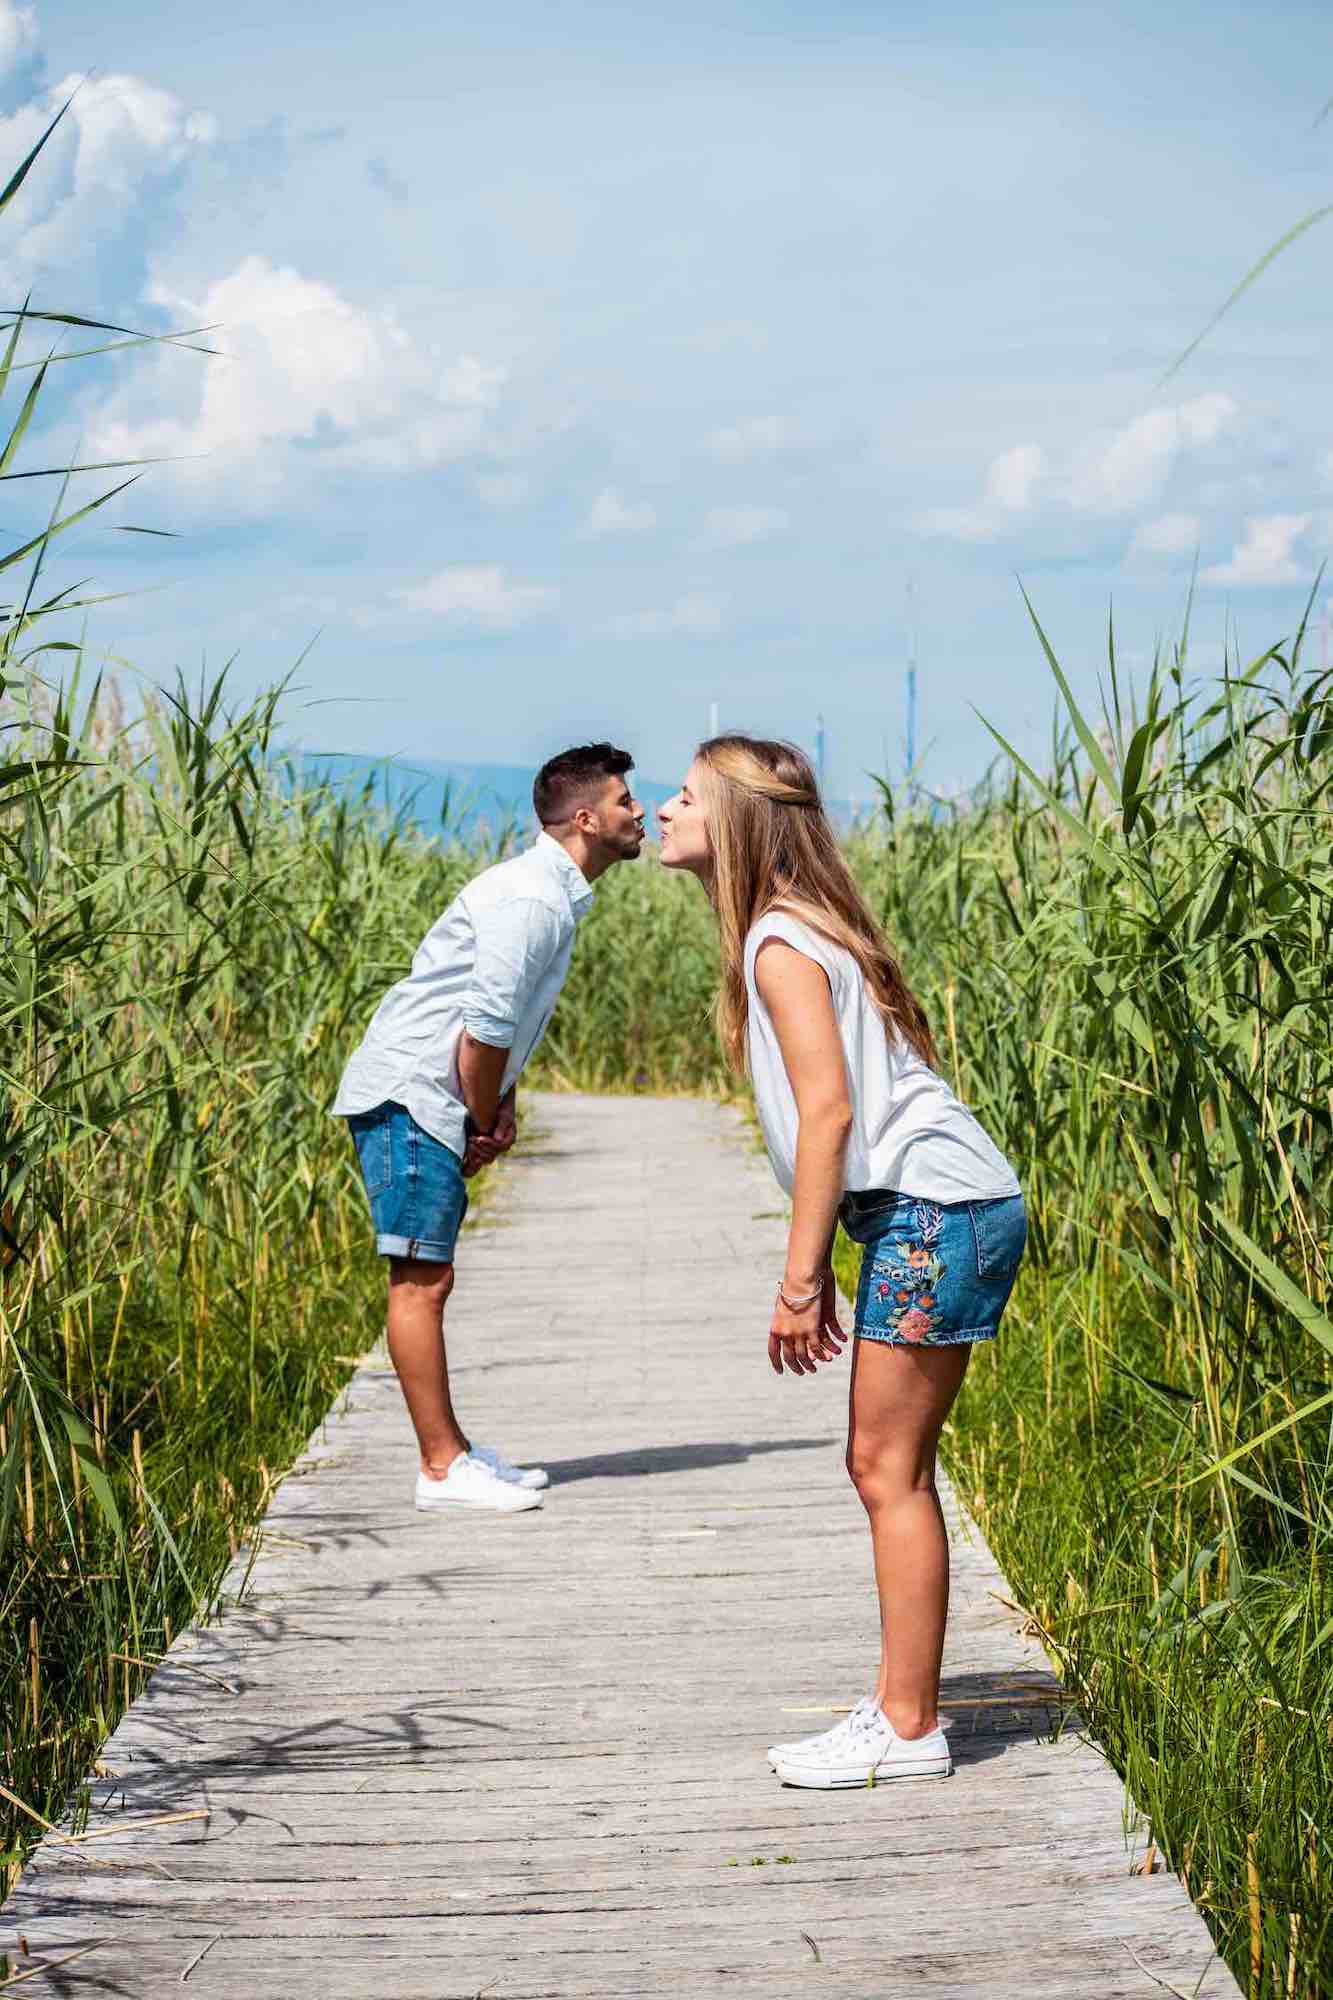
{"points": [[819, 752], [712, 718], [911, 678]]}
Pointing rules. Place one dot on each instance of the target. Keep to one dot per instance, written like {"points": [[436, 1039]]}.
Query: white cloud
{"points": [[1116, 475], [738, 527], [1012, 477], [1111, 474], [1010, 484], [1263, 556], [477, 594], [696, 615], [610, 515], [18, 35], [119, 138], [306, 379], [1168, 535], [757, 438]]}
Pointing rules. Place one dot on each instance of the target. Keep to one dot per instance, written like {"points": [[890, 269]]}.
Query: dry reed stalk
{"points": [[1255, 1912], [52, 1964], [134, 1826]]}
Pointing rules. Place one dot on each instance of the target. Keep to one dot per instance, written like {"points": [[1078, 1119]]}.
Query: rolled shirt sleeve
{"points": [[515, 943]]}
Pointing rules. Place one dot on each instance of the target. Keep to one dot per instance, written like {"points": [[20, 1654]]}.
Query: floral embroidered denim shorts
{"points": [[933, 1274], [414, 1185]]}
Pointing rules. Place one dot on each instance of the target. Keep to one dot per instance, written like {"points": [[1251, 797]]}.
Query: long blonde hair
{"points": [[774, 848]]}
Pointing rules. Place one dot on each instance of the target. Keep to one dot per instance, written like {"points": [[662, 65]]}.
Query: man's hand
{"points": [[485, 1147], [505, 1130], [800, 1340]]}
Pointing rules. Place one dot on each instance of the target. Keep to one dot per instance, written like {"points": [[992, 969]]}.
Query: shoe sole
{"points": [[810, 1778], [474, 1507]]}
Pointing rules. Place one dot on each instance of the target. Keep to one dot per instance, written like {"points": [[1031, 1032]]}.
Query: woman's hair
{"points": [[773, 848]]}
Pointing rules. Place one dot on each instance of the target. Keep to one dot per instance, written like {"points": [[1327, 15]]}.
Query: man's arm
{"points": [[515, 944], [481, 1071]]}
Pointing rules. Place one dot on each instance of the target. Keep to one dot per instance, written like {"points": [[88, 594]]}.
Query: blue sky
{"points": [[584, 366]]}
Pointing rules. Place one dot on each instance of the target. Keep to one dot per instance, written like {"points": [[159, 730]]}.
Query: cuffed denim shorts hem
{"points": [[933, 1274], [416, 1247], [966, 1336], [414, 1185]]}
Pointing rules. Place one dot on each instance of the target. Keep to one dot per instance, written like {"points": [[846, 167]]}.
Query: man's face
{"points": [[619, 818]]}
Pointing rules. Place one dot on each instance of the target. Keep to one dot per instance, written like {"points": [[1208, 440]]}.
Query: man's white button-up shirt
{"points": [[494, 964]]}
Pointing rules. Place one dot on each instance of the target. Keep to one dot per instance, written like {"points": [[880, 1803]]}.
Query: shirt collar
{"points": [[567, 872]]}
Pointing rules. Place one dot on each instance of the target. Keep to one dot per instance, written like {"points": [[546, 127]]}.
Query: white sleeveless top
{"points": [[909, 1131]]}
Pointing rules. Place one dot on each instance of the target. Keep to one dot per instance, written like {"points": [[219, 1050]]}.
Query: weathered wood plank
{"points": [[525, 1757]]}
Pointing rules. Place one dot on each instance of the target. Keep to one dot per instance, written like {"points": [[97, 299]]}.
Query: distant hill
{"points": [[469, 798], [466, 797]]}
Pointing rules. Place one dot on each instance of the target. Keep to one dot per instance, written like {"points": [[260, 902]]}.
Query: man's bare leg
{"points": [[418, 1292]]}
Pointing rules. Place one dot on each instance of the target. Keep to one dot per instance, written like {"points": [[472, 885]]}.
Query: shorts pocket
{"points": [[373, 1138], [1000, 1230]]}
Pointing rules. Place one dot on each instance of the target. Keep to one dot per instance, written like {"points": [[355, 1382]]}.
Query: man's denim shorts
{"points": [[414, 1185], [933, 1274]]}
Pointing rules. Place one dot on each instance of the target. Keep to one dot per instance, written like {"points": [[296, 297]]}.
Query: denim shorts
{"points": [[414, 1185], [933, 1274]]}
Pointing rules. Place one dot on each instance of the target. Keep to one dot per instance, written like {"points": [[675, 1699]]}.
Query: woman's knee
{"points": [[887, 1469]]}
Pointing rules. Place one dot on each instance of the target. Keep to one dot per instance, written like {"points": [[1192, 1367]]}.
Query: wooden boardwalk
{"points": [[434, 1759]]}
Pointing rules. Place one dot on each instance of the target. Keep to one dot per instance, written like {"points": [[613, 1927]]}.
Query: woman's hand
{"points": [[800, 1339]]}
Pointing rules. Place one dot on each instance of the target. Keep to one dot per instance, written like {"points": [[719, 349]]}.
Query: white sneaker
{"points": [[470, 1482], [778, 1751], [866, 1750], [534, 1477]]}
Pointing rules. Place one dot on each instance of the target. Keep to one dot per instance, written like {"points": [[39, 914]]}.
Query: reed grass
{"points": [[1126, 960]]}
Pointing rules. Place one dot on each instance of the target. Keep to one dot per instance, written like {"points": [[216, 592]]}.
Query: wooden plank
{"points": [[525, 1757]]}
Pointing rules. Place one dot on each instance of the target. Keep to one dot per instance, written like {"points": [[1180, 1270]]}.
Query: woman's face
{"points": [[684, 829]]}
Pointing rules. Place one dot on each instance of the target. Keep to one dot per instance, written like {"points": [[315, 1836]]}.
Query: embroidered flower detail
{"points": [[908, 1277]]}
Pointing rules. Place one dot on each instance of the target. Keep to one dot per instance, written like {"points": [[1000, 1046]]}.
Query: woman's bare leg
{"points": [[900, 1398]]}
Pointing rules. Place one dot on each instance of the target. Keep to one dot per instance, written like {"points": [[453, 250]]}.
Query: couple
{"points": [[859, 1125]]}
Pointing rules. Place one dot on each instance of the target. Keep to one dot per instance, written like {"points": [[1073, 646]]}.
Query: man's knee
{"points": [[432, 1282]]}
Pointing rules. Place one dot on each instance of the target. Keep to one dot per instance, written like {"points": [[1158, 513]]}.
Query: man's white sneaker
{"points": [[534, 1477], [470, 1482], [815, 1744], [866, 1750]]}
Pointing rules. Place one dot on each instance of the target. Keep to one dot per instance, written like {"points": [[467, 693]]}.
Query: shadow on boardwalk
{"points": [[671, 1458], [430, 1758]]}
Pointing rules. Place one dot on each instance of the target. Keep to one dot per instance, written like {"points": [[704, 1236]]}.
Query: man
{"points": [[430, 1093]]}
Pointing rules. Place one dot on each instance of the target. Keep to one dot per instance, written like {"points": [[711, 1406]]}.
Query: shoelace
{"points": [[849, 1726]]}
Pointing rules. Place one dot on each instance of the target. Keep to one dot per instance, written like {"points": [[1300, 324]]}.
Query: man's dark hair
{"points": [[563, 781]]}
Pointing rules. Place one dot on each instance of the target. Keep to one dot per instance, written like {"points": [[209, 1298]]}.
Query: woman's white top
{"points": [[909, 1131]]}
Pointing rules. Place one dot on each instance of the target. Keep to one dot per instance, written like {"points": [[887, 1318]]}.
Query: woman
{"points": [[860, 1128]]}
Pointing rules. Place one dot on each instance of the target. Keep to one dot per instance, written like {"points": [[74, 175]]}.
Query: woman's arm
{"points": [[795, 990]]}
